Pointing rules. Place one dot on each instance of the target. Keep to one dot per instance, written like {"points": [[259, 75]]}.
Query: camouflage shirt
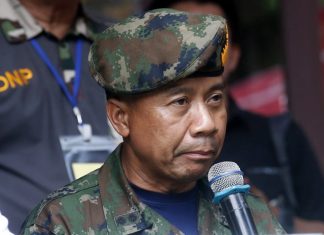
{"points": [[103, 202]]}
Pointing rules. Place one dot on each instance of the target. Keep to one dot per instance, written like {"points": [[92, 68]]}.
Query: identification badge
{"points": [[81, 157]]}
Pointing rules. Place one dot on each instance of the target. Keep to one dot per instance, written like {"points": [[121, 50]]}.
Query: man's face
{"points": [[175, 134]]}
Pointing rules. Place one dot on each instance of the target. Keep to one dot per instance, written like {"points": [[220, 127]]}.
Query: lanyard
{"points": [[72, 98]]}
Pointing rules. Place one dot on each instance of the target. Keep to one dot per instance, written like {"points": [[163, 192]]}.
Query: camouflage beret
{"points": [[144, 53]]}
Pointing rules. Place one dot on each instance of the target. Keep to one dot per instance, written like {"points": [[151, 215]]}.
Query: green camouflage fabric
{"points": [[18, 25], [143, 53], [103, 202]]}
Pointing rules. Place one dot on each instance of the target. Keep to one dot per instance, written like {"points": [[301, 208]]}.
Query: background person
{"points": [[162, 75], [34, 110], [4, 225], [250, 141]]}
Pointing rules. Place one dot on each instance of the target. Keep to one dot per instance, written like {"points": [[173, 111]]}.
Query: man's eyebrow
{"points": [[219, 86], [183, 89], [179, 89]]}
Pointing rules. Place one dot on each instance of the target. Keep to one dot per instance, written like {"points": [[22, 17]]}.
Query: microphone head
{"points": [[224, 175]]}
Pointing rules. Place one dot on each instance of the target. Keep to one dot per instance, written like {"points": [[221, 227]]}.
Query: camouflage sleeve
{"points": [[36, 230], [46, 219], [265, 221]]}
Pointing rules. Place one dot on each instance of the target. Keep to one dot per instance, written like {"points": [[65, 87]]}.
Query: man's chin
{"points": [[192, 175]]}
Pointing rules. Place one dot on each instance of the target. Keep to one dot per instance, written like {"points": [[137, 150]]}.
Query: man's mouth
{"points": [[198, 154]]}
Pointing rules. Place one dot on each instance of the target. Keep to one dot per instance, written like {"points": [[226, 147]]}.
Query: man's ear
{"points": [[117, 112]]}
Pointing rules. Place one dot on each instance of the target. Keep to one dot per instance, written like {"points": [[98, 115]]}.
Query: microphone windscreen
{"points": [[224, 175]]}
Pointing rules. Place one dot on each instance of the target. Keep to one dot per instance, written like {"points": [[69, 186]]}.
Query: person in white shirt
{"points": [[4, 226]]}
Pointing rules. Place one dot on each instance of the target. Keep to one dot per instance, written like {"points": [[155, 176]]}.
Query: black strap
{"points": [[278, 127]]}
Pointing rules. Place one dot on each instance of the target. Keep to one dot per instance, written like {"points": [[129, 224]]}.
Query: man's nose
{"points": [[203, 121]]}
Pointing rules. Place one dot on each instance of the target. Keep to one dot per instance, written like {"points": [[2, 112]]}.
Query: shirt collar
{"points": [[119, 200], [131, 216], [18, 25]]}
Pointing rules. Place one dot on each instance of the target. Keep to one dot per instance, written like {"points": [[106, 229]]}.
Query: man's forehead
{"points": [[192, 84]]}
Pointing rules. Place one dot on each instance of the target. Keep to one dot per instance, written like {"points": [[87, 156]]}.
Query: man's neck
{"points": [[139, 176], [55, 16]]}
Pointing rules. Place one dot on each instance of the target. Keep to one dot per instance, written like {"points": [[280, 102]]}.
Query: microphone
{"points": [[226, 181]]}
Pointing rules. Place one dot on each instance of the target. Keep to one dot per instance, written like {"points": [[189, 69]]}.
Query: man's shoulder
{"points": [[253, 120], [96, 22], [81, 185], [65, 203], [10, 15], [265, 222]]}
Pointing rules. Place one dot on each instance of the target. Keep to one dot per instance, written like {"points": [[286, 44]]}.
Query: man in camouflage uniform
{"points": [[162, 76]]}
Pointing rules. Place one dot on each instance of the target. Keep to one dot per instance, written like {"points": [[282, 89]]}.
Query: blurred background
{"points": [[282, 63]]}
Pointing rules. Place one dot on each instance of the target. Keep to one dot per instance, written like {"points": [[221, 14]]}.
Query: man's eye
{"points": [[216, 98], [181, 101]]}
